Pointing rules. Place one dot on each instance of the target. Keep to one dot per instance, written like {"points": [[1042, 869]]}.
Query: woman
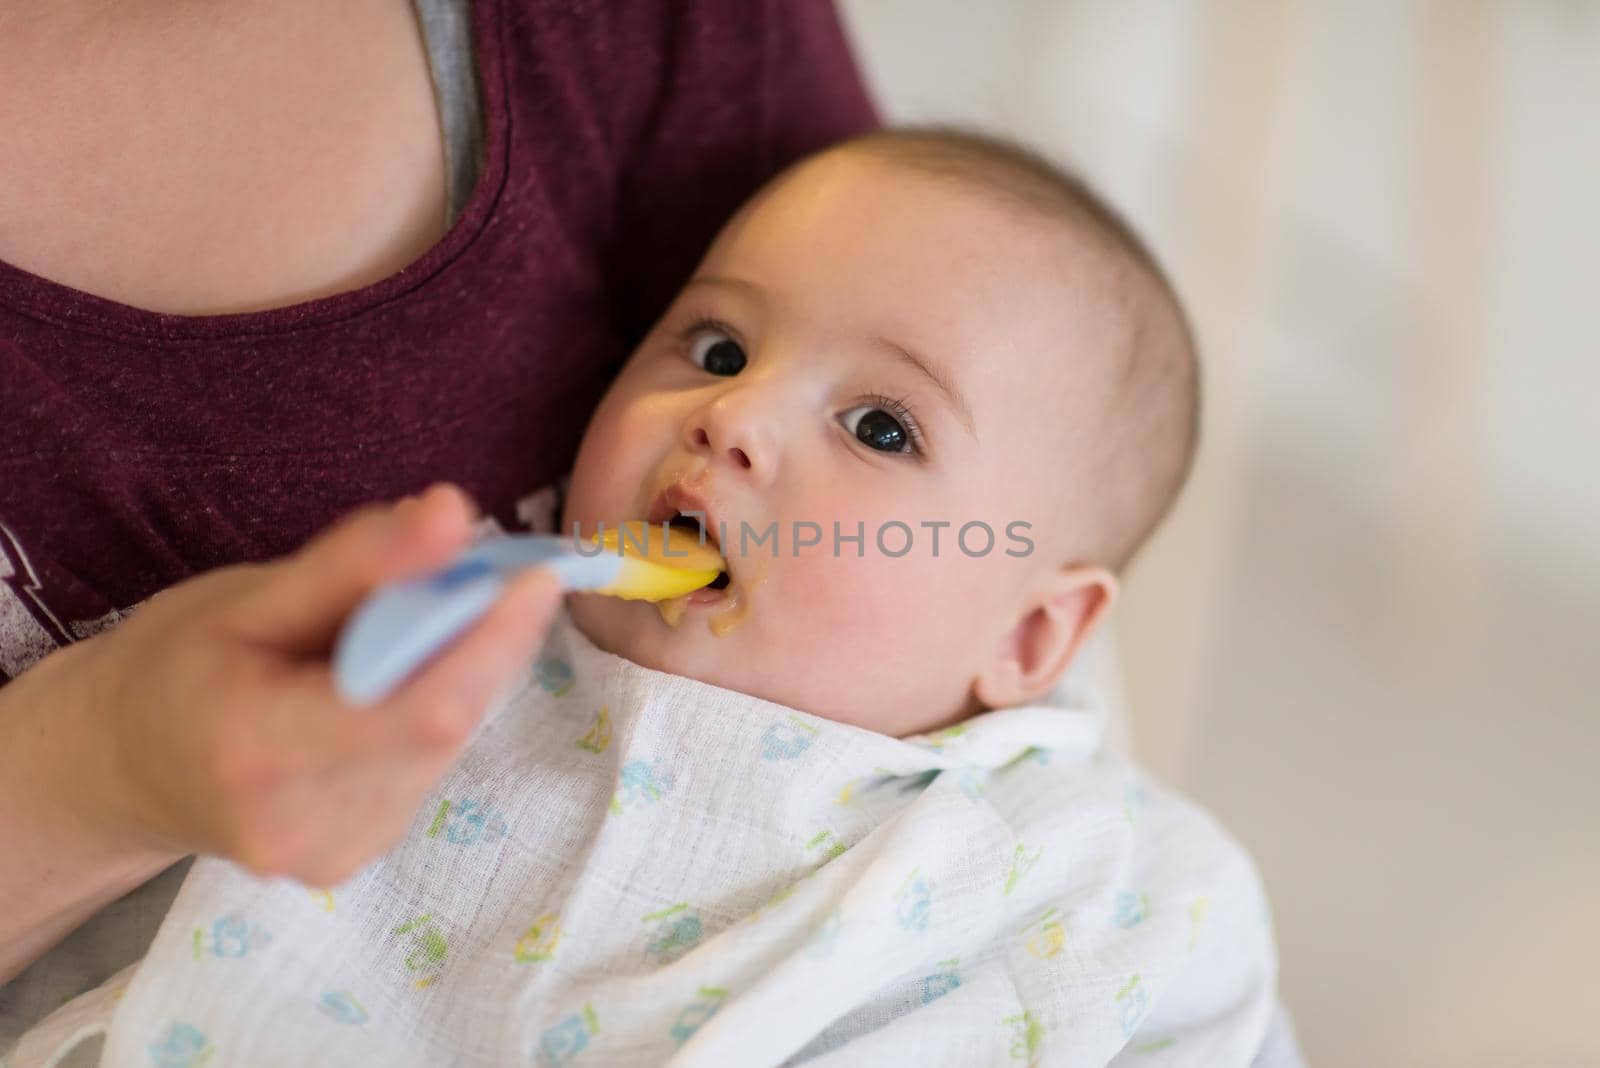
{"points": [[243, 291]]}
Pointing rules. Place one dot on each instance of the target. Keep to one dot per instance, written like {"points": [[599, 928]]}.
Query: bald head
{"points": [[1139, 452]]}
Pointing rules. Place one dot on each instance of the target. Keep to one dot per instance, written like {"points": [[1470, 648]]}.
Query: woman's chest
{"points": [[207, 159]]}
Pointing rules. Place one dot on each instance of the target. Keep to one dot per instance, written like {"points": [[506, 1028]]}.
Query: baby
{"points": [[929, 397], [914, 329]]}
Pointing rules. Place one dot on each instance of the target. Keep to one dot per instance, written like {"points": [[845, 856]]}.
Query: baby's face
{"points": [[869, 347]]}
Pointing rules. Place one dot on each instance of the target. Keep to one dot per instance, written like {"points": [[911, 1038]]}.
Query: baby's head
{"points": [[913, 329]]}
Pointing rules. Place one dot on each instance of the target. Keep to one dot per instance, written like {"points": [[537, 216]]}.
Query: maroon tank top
{"points": [[137, 448]]}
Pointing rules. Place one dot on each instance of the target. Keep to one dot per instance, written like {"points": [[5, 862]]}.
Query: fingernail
{"points": [[450, 489]]}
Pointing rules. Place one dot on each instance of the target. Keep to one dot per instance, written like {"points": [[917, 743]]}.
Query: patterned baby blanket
{"points": [[629, 867]]}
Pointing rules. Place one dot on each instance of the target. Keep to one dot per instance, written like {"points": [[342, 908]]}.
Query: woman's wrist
{"points": [[68, 850]]}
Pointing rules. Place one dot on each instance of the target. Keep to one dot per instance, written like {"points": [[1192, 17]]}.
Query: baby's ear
{"points": [[1062, 610]]}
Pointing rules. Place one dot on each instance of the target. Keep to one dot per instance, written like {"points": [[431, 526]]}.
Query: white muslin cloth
{"points": [[629, 867]]}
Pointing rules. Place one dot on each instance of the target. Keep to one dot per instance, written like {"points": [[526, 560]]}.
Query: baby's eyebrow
{"points": [[945, 386], [738, 285]]}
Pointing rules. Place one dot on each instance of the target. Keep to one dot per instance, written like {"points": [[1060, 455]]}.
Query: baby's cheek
{"points": [[884, 623], [612, 463], [835, 593]]}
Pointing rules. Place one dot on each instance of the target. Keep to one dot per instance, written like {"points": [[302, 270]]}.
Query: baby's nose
{"points": [[730, 433], [702, 440]]}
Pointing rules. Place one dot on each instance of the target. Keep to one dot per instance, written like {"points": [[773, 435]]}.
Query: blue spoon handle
{"points": [[400, 625]]}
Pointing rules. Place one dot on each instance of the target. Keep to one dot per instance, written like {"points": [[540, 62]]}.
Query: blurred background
{"points": [[1367, 638]]}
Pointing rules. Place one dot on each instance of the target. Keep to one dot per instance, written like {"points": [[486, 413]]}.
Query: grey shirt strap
{"points": [[447, 34]]}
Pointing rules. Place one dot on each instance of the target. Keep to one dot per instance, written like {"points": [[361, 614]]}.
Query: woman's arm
{"points": [[61, 864], [207, 723]]}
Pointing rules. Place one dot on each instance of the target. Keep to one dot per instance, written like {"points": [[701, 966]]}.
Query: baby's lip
{"points": [[679, 498]]}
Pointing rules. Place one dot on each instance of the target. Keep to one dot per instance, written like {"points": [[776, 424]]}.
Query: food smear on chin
{"points": [[730, 610], [672, 609], [736, 604]]}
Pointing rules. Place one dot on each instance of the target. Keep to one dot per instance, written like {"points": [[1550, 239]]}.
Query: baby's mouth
{"points": [[694, 525]]}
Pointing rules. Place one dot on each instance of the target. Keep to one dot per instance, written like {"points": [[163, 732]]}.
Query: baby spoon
{"points": [[400, 625]]}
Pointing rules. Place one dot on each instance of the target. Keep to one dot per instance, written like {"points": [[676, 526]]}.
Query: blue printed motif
{"points": [[232, 936], [820, 942], [181, 1047], [554, 675], [786, 739], [473, 822], [1134, 798], [675, 937], [561, 1043], [914, 902], [466, 823], [642, 783], [1131, 909], [938, 985], [1132, 1000], [694, 1015], [342, 1006]]}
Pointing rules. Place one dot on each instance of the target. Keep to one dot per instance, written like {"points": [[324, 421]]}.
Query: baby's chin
{"points": [[642, 633], [739, 659]]}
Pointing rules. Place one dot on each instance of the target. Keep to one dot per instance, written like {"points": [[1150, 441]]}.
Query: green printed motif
{"points": [[599, 734], [1026, 1034], [1033, 753], [427, 949], [831, 846], [1021, 864], [941, 738]]}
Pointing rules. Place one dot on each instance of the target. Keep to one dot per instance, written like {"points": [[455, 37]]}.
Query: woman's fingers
{"points": [[435, 709], [299, 604], [212, 719], [375, 765], [443, 701]]}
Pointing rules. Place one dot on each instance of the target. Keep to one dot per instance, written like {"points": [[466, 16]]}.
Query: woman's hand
{"points": [[207, 723]]}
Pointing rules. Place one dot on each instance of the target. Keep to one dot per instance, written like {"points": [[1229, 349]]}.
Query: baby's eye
{"points": [[716, 352], [877, 429]]}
